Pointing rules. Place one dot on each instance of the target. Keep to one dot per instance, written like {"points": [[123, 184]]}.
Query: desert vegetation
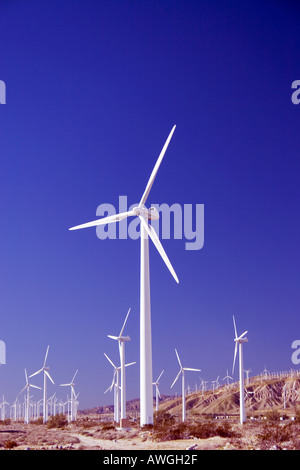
{"points": [[167, 432], [212, 423]]}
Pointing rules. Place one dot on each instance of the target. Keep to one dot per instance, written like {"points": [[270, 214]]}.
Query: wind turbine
{"points": [[247, 371], [115, 385], [71, 384], [115, 382], [157, 394], [265, 372], [27, 387], [227, 378], [239, 340], [3, 403], [145, 215], [182, 371], [215, 383], [121, 340], [46, 374]]}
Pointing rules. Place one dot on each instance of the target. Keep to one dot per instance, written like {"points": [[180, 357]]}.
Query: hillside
{"points": [[261, 394]]}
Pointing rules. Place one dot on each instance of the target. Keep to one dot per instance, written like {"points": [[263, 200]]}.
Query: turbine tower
{"points": [[239, 340], [144, 215], [46, 374], [182, 371], [121, 340]]}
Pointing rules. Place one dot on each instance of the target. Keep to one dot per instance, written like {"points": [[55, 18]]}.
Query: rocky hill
{"points": [[261, 394]]}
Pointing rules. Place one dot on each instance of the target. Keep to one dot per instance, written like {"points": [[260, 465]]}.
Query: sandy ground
{"points": [[20, 436], [139, 444]]}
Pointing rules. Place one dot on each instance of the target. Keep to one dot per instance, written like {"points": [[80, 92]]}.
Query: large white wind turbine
{"points": [[144, 215], [27, 387], [182, 371], [157, 394], [121, 340], [239, 340], [46, 374], [72, 385], [115, 383]]}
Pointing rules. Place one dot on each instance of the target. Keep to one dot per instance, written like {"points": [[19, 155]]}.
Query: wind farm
{"points": [[149, 221], [219, 402]]}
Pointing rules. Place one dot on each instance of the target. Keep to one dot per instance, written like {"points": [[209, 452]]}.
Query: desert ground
{"points": [[196, 435], [212, 423]]}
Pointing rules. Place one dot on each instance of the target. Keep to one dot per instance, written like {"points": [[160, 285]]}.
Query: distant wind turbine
{"points": [[247, 372], [216, 383], [144, 215], [182, 371], [227, 378], [157, 394], [3, 403], [115, 382], [72, 385], [239, 340], [27, 387], [46, 374], [121, 341]]}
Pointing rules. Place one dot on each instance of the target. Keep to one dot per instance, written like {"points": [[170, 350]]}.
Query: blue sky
{"points": [[92, 91]]}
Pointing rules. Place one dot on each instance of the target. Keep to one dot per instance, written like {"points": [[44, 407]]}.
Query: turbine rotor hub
{"points": [[149, 214]]}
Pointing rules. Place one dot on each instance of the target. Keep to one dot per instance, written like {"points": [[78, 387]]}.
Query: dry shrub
{"points": [[5, 421], [107, 426], [166, 429], [57, 421], [10, 444], [275, 434]]}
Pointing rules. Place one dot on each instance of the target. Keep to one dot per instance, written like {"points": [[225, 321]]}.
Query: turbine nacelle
{"points": [[120, 338], [148, 214], [241, 340]]}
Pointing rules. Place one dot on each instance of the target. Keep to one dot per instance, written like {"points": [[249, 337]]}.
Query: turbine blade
{"points": [[130, 364], [195, 370], [155, 169], [158, 391], [110, 360], [113, 337], [34, 386], [235, 351], [74, 376], [160, 376], [46, 356], [24, 388], [234, 327], [177, 377], [108, 389], [36, 373], [26, 377], [65, 385], [152, 234], [105, 220], [121, 332], [49, 376], [112, 383], [178, 358], [245, 332]]}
